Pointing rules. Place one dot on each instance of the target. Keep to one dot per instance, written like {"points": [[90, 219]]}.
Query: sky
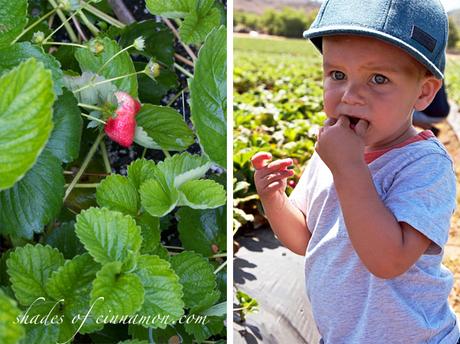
{"points": [[449, 5]]}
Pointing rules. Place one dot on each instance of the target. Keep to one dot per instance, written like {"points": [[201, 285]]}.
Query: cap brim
{"points": [[315, 36]]}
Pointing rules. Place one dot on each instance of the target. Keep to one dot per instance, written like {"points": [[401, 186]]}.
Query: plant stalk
{"points": [[65, 43], [38, 21], [72, 35], [94, 30], [58, 28], [112, 57], [84, 165], [220, 267], [93, 118], [105, 158], [101, 15], [183, 70], [108, 80]]}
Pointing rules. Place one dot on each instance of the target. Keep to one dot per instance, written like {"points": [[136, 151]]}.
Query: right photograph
{"points": [[346, 165]]}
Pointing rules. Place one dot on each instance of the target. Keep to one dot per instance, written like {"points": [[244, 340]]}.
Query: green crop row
{"points": [[278, 108]]}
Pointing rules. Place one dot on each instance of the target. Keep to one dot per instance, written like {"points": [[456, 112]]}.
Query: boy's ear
{"points": [[430, 86]]}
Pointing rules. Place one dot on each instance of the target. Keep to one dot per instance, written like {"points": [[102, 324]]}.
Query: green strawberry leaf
{"points": [[163, 292], [35, 200], [108, 235], [29, 268], [166, 127], [208, 92], [96, 95], [119, 66], [122, 293], [10, 331], [201, 16], [200, 229], [13, 18], [25, 125], [169, 8], [196, 276], [65, 240], [218, 310], [152, 91], [141, 170], [118, 193], [65, 139], [36, 332], [20, 52], [151, 233], [184, 167], [159, 40], [198, 23], [134, 341], [73, 279], [157, 197], [201, 332], [73, 283], [202, 194]]}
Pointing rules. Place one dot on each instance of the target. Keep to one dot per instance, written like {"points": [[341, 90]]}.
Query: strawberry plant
{"points": [[112, 171], [277, 108]]}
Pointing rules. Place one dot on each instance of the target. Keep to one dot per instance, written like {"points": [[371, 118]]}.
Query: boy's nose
{"points": [[352, 95]]}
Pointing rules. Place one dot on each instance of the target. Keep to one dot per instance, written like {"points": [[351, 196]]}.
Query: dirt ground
{"points": [[452, 252]]}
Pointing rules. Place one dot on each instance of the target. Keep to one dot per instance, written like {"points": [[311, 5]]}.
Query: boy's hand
{"points": [[338, 145], [270, 179]]}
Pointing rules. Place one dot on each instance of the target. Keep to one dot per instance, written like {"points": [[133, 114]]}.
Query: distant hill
{"points": [[259, 6]]}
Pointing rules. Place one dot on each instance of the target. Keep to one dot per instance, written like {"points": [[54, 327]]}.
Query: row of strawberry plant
{"points": [[277, 108], [86, 253]]}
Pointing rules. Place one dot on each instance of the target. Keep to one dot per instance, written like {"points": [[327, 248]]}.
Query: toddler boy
{"points": [[371, 212]]}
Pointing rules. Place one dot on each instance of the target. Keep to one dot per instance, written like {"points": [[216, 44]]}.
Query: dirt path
{"points": [[452, 252]]}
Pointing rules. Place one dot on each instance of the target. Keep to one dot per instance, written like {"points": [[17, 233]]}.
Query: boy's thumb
{"points": [[361, 127]]}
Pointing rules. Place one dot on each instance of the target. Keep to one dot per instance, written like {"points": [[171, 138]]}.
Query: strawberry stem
{"points": [[173, 99], [105, 158], [91, 107], [183, 70], [84, 186], [101, 15], [219, 255], [220, 267], [72, 35], [38, 21], [166, 153], [58, 28], [93, 118], [64, 43], [113, 56], [174, 247], [84, 165], [88, 24], [108, 80]]}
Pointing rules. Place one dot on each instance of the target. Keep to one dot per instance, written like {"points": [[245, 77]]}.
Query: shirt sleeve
{"points": [[423, 194]]}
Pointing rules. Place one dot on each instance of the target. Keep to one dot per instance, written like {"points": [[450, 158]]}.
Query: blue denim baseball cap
{"points": [[419, 27]]}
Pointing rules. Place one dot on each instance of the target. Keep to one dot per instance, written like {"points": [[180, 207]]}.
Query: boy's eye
{"points": [[337, 75], [379, 79]]}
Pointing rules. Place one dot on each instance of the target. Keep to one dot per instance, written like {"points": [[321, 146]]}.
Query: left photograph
{"points": [[113, 171]]}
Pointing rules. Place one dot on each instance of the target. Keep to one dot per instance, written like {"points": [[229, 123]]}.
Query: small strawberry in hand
{"points": [[122, 128]]}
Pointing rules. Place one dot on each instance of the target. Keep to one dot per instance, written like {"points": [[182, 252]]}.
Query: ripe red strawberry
{"points": [[122, 128], [126, 104]]}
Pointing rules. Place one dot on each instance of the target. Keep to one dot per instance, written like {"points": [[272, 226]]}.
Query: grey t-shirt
{"points": [[351, 305]]}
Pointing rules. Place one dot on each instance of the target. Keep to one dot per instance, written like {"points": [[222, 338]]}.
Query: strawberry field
{"points": [[277, 108], [112, 171]]}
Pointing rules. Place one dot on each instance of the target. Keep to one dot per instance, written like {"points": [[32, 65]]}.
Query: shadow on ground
{"points": [[274, 276]]}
